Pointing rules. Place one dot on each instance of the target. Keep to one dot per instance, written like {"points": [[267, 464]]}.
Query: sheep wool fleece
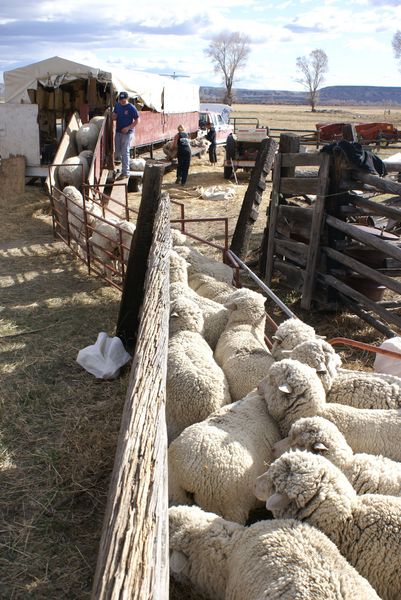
{"points": [[272, 560]]}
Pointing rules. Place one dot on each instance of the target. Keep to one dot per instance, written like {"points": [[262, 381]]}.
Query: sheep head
{"points": [[319, 355], [289, 334]]}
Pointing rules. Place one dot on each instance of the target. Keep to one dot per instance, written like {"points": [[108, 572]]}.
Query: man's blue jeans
{"points": [[122, 148]]}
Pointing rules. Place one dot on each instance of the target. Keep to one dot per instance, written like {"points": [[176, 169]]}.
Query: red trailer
{"points": [[366, 133]]}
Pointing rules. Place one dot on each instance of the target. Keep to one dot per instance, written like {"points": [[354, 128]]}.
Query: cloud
{"points": [[305, 29]]}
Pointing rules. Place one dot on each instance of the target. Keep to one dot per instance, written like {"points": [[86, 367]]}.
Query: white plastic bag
{"points": [[387, 364], [104, 358]]}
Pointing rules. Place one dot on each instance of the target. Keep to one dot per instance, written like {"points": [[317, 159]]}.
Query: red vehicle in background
{"points": [[365, 133]]}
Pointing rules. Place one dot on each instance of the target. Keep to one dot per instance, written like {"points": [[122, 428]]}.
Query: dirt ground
{"points": [[58, 424]]}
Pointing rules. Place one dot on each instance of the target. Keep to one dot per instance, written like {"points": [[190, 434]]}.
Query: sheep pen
{"points": [[59, 425]]}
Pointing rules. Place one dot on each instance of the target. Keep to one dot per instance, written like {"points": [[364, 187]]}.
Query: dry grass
{"points": [[59, 424]]}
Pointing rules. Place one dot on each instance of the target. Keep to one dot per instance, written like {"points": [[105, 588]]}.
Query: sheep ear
{"points": [[230, 305], [321, 337], [285, 388], [319, 446], [284, 352], [277, 501], [174, 314], [280, 447], [178, 561], [321, 368], [275, 338]]}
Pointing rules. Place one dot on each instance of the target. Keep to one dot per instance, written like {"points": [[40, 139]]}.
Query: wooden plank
{"points": [[362, 236], [273, 211], [118, 198], [296, 213], [302, 159], [378, 208], [294, 275], [133, 555], [295, 186], [316, 229], [289, 144], [132, 296], [295, 251], [366, 302], [380, 183], [358, 310], [362, 269], [253, 196]]}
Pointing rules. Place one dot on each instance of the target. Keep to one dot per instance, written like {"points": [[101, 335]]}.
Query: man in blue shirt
{"points": [[126, 116]]}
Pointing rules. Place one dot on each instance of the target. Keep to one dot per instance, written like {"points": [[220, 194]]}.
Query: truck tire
{"points": [[228, 172], [230, 147]]}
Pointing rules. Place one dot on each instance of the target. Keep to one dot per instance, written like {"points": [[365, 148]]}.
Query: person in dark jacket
{"points": [[183, 147], [211, 136]]}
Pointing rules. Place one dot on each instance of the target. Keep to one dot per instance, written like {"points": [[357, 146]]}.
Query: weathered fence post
{"points": [[133, 554], [253, 196], [132, 295]]}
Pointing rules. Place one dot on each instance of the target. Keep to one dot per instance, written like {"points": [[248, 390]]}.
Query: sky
{"points": [[170, 37]]}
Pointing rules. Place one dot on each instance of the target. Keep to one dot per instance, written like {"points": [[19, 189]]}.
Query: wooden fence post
{"points": [[132, 295], [253, 196], [133, 554]]}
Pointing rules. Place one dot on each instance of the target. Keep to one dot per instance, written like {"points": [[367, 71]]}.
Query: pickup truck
{"points": [[223, 129]]}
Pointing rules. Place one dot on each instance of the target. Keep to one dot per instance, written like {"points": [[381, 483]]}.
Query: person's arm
{"points": [[133, 124], [175, 142], [114, 114]]}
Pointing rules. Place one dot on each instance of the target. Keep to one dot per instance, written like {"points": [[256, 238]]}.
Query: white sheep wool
{"points": [[387, 364]]}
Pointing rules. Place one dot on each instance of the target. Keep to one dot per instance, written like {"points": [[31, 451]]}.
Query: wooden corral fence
{"points": [[317, 235], [133, 555]]}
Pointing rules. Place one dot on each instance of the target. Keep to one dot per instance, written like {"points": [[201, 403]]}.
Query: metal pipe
{"points": [[364, 346], [263, 286]]}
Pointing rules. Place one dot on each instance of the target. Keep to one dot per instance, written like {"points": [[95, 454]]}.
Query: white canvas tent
{"points": [[155, 92]]}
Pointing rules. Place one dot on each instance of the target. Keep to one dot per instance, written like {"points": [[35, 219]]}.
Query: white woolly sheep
{"points": [[354, 388], [137, 164], [289, 334], [278, 560], [366, 529], [169, 150], [104, 242], [86, 137], [368, 474], [214, 314], [98, 121], [208, 287], [199, 263], [178, 238], [196, 386], [73, 171], [178, 269], [215, 463], [124, 239], [75, 208], [241, 351], [293, 390]]}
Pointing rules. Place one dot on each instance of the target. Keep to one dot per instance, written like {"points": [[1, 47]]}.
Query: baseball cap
{"points": [[122, 95]]}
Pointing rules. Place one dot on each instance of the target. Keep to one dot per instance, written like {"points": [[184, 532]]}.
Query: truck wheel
{"points": [[230, 147], [228, 172]]}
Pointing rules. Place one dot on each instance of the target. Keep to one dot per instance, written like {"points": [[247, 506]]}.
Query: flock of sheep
{"points": [[109, 238], [317, 445]]}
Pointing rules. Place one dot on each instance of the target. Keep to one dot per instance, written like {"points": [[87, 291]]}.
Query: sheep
{"points": [[354, 388], [215, 315], [98, 121], [289, 334], [178, 268], [73, 171], [201, 143], [293, 390], [199, 263], [366, 529], [178, 238], [124, 233], [137, 164], [195, 386], [75, 209], [368, 474], [278, 560], [241, 351], [104, 241], [169, 150], [215, 463], [208, 287], [86, 137]]}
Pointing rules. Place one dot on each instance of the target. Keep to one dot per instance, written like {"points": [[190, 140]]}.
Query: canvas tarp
{"points": [[155, 92]]}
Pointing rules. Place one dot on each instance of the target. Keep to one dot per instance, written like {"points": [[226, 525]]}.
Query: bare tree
{"points": [[312, 69], [397, 44], [229, 52]]}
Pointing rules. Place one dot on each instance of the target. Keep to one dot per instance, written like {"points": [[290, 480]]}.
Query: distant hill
{"points": [[337, 95], [1, 91]]}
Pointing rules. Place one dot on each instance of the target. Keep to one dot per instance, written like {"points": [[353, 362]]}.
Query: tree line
{"points": [[229, 53]]}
